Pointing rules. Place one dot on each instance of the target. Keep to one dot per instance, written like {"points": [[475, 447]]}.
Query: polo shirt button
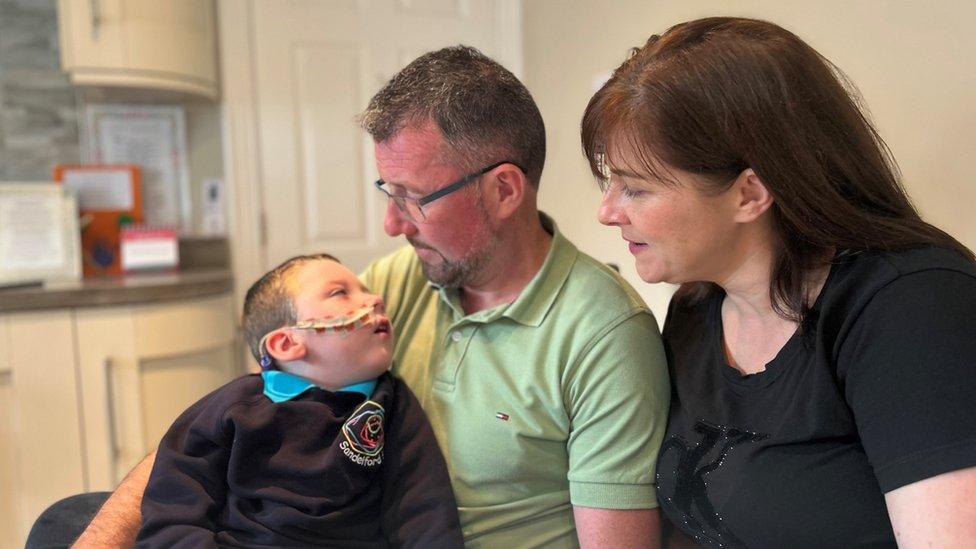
{"points": [[456, 336]]}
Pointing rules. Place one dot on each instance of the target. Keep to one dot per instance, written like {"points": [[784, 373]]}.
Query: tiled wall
{"points": [[38, 106]]}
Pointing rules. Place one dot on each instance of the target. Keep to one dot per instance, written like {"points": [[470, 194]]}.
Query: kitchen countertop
{"points": [[123, 290]]}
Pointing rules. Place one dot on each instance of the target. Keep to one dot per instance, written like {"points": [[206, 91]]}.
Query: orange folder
{"points": [[104, 207]]}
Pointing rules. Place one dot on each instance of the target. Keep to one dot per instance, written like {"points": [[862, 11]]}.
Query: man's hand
{"points": [[117, 522]]}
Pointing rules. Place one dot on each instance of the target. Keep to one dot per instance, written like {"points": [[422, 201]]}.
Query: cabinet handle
{"points": [[96, 17], [113, 435]]}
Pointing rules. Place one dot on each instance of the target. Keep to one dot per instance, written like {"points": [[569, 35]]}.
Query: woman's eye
{"points": [[631, 192], [623, 188]]}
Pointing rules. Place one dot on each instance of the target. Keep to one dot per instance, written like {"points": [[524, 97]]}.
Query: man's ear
{"points": [[285, 345], [752, 196], [506, 191]]}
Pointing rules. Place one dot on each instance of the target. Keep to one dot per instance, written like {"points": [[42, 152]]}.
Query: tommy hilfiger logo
{"points": [[364, 435]]}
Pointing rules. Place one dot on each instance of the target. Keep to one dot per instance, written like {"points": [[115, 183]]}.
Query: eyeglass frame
{"points": [[440, 193]]}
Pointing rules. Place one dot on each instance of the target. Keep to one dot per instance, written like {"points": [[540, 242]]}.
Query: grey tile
{"points": [[29, 35], [38, 106]]}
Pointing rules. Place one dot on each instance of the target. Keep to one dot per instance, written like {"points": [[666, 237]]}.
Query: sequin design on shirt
{"points": [[687, 479], [363, 433]]}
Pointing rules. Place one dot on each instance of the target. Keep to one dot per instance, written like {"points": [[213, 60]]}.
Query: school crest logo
{"points": [[363, 433]]}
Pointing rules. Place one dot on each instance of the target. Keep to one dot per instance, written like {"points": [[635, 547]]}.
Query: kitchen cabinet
{"points": [[41, 447], [169, 45], [86, 392]]}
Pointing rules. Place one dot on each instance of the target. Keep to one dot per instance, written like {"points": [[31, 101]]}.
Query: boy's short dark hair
{"points": [[268, 305]]}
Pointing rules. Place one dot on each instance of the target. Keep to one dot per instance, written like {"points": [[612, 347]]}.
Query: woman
{"points": [[823, 341]]}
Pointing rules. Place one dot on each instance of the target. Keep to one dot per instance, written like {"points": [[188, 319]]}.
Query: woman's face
{"points": [[676, 233]]}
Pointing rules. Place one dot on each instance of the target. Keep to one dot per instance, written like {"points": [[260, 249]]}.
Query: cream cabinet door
{"points": [[86, 393], [140, 366], [41, 446], [140, 43]]}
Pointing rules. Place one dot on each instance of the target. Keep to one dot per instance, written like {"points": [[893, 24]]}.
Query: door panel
{"points": [[335, 207], [316, 65], [429, 7]]}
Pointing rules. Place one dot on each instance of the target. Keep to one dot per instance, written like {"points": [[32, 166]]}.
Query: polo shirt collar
{"points": [[282, 386], [533, 304]]}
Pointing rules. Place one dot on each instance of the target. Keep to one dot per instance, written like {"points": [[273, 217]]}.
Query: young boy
{"points": [[323, 448]]}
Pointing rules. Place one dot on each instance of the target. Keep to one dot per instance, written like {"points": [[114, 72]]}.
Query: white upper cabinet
{"points": [[168, 45]]}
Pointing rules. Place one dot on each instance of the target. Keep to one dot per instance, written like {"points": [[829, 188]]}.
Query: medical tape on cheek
{"points": [[342, 325]]}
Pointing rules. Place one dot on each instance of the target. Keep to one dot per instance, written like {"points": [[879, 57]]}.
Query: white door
{"points": [[316, 63]]}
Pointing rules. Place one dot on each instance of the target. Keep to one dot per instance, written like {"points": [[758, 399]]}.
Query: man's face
{"points": [[455, 241]]}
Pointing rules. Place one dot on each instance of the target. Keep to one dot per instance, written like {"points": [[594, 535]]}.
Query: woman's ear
{"points": [[752, 196], [285, 345]]}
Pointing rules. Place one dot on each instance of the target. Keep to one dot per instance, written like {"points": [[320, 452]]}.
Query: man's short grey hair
{"points": [[483, 111]]}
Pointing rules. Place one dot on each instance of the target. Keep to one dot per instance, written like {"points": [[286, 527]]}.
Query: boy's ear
{"points": [[285, 345], [752, 196]]}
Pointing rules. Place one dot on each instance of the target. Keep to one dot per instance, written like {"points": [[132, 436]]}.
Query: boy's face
{"points": [[324, 289]]}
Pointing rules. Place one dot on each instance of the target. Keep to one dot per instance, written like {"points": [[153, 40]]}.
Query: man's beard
{"points": [[459, 272]]}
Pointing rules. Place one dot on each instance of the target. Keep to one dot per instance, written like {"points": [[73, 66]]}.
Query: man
{"points": [[540, 369]]}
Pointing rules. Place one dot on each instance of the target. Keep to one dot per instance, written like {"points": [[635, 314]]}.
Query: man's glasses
{"points": [[414, 207]]}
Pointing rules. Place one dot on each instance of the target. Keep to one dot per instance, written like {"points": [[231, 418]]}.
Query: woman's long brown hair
{"points": [[718, 95]]}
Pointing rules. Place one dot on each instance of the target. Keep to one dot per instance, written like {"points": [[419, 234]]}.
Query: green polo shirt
{"points": [[557, 399]]}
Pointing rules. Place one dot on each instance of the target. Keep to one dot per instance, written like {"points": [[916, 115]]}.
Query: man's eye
{"points": [[399, 190]]}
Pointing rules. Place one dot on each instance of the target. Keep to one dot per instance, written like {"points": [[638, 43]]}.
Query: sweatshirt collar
{"points": [[282, 386]]}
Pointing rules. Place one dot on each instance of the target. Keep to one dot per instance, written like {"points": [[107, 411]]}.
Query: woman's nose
{"points": [[609, 212]]}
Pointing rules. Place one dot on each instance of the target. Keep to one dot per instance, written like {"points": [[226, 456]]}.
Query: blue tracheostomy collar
{"points": [[281, 386]]}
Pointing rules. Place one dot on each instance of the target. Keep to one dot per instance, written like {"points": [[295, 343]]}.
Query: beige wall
{"points": [[914, 62]]}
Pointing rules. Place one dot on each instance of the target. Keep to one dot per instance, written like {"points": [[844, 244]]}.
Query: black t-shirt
{"points": [[321, 470], [876, 391]]}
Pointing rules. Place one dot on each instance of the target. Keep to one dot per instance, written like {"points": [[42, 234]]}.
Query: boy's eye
{"points": [[338, 292]]}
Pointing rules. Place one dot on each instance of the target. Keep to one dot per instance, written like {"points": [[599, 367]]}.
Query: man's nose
{"points": [[396, 223]]}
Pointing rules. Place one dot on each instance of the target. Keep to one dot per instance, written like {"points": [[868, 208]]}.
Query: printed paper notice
{"points": [[31, 230], [101, 189], [154, 138]]}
